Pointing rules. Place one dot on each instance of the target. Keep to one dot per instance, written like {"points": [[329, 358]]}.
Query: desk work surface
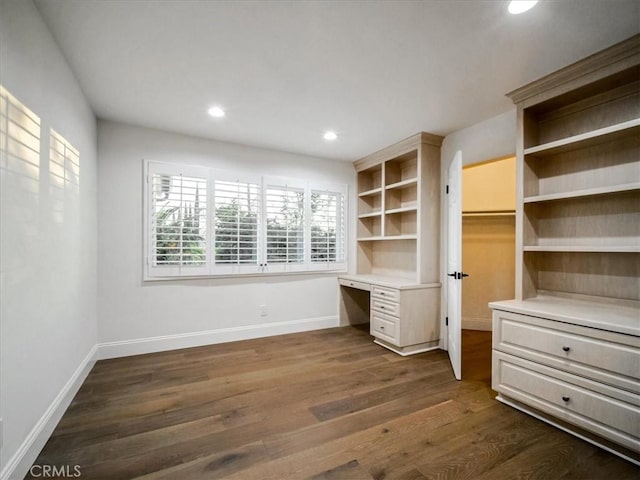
{"points": [[361, 281]]}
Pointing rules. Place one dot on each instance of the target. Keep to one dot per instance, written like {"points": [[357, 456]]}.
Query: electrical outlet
{"points": [[263, 311]]}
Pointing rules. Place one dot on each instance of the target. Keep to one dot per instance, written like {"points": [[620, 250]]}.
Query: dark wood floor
{"points": [[327, 404]]}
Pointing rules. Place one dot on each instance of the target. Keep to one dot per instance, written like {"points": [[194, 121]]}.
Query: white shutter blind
{"points": [[285, 208], [202, 221], [237, 210], [327, 227], [178, 223]]}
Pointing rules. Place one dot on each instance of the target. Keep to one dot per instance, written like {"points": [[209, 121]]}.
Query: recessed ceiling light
{"points": [[521, 6], [216, 112], [330, 135]]}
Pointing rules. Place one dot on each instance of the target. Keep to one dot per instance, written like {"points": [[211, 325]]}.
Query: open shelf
{"points": [[370, 214], [587, 272], [369, 193], [587, 192], [401, 169], [398, 193], [388, 238], [370, 226], [410, 182], [606, 167], [401, 223], [583, 248], [408, 208], [587, 139], [369, 204], [398, 198], [580, 163], [370, 179], [587, 115], [606, 223]]}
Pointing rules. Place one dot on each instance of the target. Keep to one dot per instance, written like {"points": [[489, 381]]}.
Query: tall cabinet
{"points": [[567, 348], [398, 239]]}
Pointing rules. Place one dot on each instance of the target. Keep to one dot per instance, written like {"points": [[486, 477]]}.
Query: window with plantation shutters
{"points": [[327, 227], [178, 221], [285, 207], [237, 210], [205, 222]]}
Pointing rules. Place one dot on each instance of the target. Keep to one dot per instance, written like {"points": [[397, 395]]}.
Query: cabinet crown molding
{"points": [[618, 57]]}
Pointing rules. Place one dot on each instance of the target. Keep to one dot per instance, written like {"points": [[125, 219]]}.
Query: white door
{"points": [[454, 264]]}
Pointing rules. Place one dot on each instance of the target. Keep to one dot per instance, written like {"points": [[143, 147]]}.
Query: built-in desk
{"points": [[403, 315]]}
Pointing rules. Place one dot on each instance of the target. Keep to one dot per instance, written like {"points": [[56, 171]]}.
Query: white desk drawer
{"points": [[383, 326], [353, 284], [385, 293], [577, 350], [527, 382], [383, 306]]}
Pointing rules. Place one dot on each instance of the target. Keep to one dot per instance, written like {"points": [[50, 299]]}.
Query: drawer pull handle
{"points": [[382, 307], [381, 327], [566, 349], [381, 293], [565, 398]]}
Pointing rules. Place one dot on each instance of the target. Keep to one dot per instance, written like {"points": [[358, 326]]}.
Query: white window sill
{"points": [[316, 273]]}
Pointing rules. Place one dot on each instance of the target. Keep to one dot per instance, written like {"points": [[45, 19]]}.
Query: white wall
{"points": [[131, 310], [487, 140], [48, 257]]}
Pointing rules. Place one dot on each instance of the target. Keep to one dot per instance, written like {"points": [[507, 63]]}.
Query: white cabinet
{"points": [[403, 315], [567, 348], [584, 376]]}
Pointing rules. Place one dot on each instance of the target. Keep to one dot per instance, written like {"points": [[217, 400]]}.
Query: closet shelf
{"points": [[587, 192], [403, 184], [594, 137], [583, 248], [490, 213]]}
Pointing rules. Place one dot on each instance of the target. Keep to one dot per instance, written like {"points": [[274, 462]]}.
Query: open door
{"points": [[454, 264]]}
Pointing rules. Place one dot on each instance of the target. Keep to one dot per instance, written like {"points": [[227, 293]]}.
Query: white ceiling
{"points": [[374, 71]]}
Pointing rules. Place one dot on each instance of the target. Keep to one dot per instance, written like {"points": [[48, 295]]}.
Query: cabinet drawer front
{"points": [[517, 335], [390, 308], [606, 416], [385, 293], [383, 326], [354, 284]]}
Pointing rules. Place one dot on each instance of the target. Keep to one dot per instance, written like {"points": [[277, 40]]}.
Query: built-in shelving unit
{"points": [[398, 241], [577, 255], [398, 210]]}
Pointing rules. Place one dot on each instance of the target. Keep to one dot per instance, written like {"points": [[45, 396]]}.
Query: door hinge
{"points": [[447, 189], [446, 321]]}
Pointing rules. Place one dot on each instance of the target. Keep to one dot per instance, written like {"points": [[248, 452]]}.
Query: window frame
{"points": [[262, 267]]}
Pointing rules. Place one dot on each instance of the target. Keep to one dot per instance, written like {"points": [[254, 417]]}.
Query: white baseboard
{"points": [[477, 324], [18, 466], [139, 346]]}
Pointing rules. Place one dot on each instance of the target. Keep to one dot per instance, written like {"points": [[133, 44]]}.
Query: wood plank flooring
{"points": [[327, 404]]}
